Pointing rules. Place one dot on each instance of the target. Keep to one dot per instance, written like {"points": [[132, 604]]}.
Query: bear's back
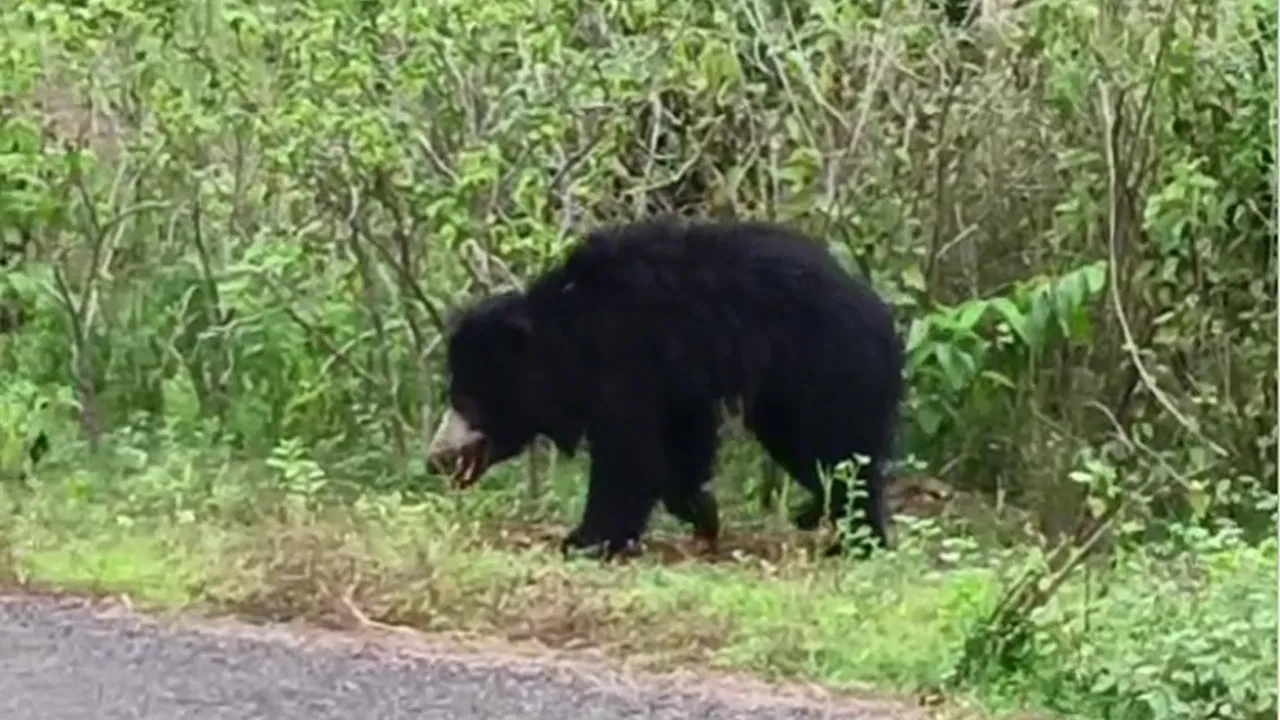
{"points": [[702, 262], [712, 305]]}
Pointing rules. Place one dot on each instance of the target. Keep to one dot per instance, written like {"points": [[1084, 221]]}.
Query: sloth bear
{"points": [[637, 340]]}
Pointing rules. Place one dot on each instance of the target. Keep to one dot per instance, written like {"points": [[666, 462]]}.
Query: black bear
{"points": [[637, 340]]}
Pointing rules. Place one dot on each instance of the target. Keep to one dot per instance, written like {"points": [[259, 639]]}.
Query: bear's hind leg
{"points": [[699, 510], [776, 430]]}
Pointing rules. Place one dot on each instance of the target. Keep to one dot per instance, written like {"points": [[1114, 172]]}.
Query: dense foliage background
{"points": [[232, 229]]}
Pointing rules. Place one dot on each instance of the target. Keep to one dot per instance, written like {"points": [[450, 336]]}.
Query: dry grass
{"points": [[497, 579], [443, 572], [760, 605]]}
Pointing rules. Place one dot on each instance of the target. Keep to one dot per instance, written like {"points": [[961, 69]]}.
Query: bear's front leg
{"points": [[581, 542], [620, 495]]}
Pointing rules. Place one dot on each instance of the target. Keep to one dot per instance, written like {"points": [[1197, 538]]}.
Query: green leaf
{"points": [[919, 331], [970, 314], [950, 362], [913, 279], [1014, 317]]}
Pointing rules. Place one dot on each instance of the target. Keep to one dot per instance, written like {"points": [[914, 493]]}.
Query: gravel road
{"points": [[63, 660]]}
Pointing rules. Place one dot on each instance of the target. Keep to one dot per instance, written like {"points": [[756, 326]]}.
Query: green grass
{"points": [[223, 240], [894, 625]]}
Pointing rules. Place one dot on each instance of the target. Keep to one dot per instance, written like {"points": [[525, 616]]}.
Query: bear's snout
{"points": [[458, 450]]}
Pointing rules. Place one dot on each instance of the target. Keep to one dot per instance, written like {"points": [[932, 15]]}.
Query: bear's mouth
{"points": [[459, 451], [469, 463]]}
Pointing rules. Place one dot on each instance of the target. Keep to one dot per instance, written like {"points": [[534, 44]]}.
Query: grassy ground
{"points": [[238, 291], [180, 533]]}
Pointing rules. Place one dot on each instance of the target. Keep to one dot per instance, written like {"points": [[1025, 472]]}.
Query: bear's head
{"points": [[485, 422], [502, 381]]}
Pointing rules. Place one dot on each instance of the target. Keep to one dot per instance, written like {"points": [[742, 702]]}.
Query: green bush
{"points": [[1192, 639], [239, 225]]}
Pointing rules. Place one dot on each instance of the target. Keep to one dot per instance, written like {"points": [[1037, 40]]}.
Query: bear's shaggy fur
{"points": [[635, 342]]}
